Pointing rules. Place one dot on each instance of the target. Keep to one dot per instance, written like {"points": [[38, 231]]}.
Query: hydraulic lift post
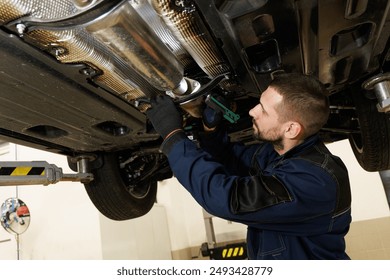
{"points": [[233, 251], [40, 173]]}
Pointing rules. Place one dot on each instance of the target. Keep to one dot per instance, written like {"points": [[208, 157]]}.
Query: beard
{"points": [[270, 136]]}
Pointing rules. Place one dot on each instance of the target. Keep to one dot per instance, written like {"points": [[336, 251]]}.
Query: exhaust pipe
{"points": [[125, 33], [188, 27]]}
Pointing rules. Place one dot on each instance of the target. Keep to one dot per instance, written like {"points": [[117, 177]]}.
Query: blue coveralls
{"points": [[296, 205]]}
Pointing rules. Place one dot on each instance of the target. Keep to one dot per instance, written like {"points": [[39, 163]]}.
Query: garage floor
{"points": [[369, 240]]}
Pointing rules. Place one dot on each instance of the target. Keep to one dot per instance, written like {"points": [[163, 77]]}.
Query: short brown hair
{"points": [[305, 100]]}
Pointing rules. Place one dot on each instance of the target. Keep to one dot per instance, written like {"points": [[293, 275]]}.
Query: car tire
{"points": [[372, 145], [113, 198]]}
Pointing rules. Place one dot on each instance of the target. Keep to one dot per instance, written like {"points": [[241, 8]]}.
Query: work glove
{"points": [[212, 114], [164, 116], [167, 121], [211, 118]]}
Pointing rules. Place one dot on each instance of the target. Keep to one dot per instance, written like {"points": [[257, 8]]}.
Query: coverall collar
{"points": [[310, 141]]}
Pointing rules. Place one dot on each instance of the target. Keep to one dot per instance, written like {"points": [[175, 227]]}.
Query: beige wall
{"points": [[143, 238]]}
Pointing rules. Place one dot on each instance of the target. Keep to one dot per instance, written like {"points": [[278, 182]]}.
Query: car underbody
{"points": [[74, 73]]}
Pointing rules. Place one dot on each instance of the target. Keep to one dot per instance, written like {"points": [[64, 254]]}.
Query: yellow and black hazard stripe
{"points": [[237, 251], [233, 252], [22, 171]]}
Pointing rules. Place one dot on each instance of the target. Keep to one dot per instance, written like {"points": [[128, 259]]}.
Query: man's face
{"points": [[266, 126]]}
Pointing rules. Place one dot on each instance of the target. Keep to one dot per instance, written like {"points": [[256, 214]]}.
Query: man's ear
{"points": [[293, 130]]}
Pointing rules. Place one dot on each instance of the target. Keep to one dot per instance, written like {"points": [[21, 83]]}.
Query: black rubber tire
{"points": [[111, 197], [372, 146]]}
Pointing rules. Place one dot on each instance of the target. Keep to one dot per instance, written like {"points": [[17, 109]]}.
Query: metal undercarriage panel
{"points": [[41, 104]]}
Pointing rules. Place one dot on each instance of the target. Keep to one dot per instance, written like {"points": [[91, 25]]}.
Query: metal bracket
{"points": [[380, 84]]}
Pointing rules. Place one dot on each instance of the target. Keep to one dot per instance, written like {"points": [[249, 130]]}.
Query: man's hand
{"points": [[164, 116], [211, 118]]}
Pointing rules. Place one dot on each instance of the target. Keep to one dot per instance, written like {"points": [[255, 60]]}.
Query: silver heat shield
{"points": [[134, 49], [126, 34]]}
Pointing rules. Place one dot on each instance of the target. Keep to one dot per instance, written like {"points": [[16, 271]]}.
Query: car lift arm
{"points": [[39, 173]]}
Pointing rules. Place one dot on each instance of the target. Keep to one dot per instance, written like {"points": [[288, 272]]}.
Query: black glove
{"points": [[164, 116], [211, 118], [212, 114]]}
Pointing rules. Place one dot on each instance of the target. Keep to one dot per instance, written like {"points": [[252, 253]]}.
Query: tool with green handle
{"points": [[218, 106]]}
